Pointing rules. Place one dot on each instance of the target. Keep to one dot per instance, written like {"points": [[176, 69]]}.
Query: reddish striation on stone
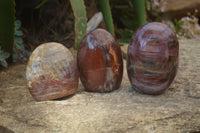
{"points": [[152, 58], [100, 62], [51, 72]]}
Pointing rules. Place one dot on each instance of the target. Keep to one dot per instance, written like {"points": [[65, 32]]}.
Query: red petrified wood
{"points": [[51, 72], [100, 62], [152, 58]]}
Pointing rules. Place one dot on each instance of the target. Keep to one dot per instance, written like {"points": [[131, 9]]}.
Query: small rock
{"points": [[179, 8]]}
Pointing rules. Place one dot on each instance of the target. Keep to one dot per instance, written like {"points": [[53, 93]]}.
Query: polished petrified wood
{"points": [[51, 72], [152, 58], [100, 62]]}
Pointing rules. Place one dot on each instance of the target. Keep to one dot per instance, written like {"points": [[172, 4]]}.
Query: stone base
{"points": [[123, 110]]}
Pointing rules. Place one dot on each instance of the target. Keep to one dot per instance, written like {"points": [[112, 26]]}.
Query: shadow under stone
{"points": [[5, 130]]}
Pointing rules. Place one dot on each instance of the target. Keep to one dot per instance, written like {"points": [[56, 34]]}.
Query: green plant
{"points": [[80, 25], [126, 15], [124, 55], [188, 26], [177, 25], [7, 15], [18, 41], [139, 8], [105, 8], [80, 17], [3, 57], [41, 4]]}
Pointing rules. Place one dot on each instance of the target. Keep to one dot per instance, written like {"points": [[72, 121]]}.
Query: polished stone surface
{"points": [[100, 62], [152, 58], [51, 72]]}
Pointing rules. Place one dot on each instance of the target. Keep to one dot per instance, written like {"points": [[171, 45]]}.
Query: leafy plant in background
{"points": [[3, 57], [18, 45], [105, 8], [79, 11], [140, 13], [11, 35], [80, 21], [188, 26], [177, 25], [129, 16], [41, 4], [80, 24], [7, 15], [18, 41]]}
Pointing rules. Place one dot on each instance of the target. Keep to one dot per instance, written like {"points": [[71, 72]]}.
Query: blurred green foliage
{"points": [[41, 4], [140, 12], [177, 25], [3, 57], [125, 13], [128, 16], [105, 9], [79, 11], [7, 15], [18, 41]]}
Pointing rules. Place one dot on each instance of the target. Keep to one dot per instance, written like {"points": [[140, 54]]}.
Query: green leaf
{"points": [[124, 55], [4, 55], [20, 47], [19, 44], [3, 63], [105, 8], [140, 12], [178, 24], [41, 4], [15, 55], [7, 26], [18, 40], [17, 24], [18, 33], [80, 25]]}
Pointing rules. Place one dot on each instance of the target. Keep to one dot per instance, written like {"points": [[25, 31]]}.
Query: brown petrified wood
{"points": [[100, 62], [51, 72], [152, 58]]}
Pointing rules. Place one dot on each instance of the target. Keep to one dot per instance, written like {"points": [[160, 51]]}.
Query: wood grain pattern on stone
{"points": [[51, 72], [177, 110], [100, 62], [152, 58]]}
